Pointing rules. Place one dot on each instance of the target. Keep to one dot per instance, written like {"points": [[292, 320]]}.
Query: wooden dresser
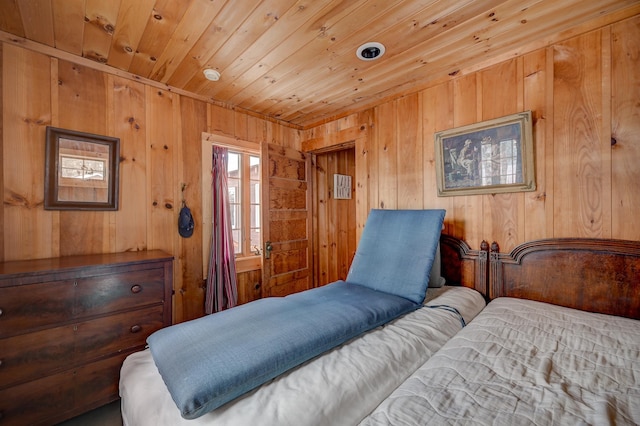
{"points": [[66, 325]]}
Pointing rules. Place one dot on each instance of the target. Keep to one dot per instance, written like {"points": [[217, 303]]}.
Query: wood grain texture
{"points": [[577, 127], [437, 114], [468, 211], [568, 86], [129, 124], [67, 325], [362, 176], [161, 152], [195, 21], [189, 281], [410, 153], [386, 155], [100, 22], [287, 221], [294, 60], [27, 227], [68, 25], [594, 275], [249, 286], [500, 88], [625, 128], [10, 19], [538, 207], [464, 266], [160, 25], [128, 32], [334, 220], [83, 98], [2, 151], [37, 20], [39, 89]]}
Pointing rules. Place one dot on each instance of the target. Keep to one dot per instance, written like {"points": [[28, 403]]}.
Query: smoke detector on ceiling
{"points": [[370, 51], [211, 74]]}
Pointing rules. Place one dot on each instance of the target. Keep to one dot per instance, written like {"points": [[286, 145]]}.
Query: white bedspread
{"points": [[338, 388], [522, 362]]}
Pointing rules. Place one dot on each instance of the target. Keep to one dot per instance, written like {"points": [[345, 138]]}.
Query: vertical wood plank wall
{"points": [[160, 138], [584, 93], [334, 227]]}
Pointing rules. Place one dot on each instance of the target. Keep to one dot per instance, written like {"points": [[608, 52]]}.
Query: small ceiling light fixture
{"points": [[370, 51], [211, 74]]}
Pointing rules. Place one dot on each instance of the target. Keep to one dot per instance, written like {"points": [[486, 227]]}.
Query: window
{"points": [[243, 178]]}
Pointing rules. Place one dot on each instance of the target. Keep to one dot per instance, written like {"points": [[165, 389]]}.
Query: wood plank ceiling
{"points": [[295, 60]]}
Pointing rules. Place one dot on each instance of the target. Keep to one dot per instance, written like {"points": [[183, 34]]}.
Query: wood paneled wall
{"points": [[334, 225], [585, 96], [160, 136], [583, 92]]}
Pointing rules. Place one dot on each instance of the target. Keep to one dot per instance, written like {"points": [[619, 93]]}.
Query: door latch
{"points": [[267, 250]]}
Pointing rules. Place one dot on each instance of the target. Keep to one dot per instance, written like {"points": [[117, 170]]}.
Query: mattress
{"points": [[237, 350], [339, 387], [523, 362]]}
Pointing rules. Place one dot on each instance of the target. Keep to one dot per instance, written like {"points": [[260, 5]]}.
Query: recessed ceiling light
{"points": [[370, 51], [211, 74]]}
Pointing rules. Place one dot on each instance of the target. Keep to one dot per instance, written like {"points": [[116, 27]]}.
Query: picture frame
{"points": [[81, 171], [493, 156]]}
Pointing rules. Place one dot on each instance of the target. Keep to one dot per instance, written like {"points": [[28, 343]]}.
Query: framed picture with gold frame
{"points": [[81, 171], [490, 157]]}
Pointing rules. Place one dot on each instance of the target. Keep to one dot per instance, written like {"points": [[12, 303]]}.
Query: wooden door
{"points": [[286, 219]]}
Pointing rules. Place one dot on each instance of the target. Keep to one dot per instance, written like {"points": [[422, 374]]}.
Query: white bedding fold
{"points": [[338, 388], [523, 362]]}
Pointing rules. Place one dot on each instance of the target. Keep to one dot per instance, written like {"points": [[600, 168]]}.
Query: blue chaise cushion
{"points": [[212, 360], [396, 252]]}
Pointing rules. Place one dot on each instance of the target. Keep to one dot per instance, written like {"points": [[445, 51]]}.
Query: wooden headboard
{"points": [[463, 266], [595, 275]]}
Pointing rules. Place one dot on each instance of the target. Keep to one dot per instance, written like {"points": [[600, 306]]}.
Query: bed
{"points": [[558, 344], [340, 387], [336, 386]]}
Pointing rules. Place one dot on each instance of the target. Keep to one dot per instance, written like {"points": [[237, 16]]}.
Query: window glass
{"points": [[243, 176]]}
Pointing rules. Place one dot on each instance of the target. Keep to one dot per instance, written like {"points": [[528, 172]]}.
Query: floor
{"points": [[108, 415]]}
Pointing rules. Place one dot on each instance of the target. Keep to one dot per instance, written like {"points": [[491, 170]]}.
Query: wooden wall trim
{"points": [[342, 139]]}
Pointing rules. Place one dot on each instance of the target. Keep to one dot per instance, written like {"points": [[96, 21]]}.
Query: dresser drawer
{"points": [[49, 400], [119, 291], [33, 402], [32, 306], [36, 354]]}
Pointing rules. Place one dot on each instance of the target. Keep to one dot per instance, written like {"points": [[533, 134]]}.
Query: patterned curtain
{"points": [[222, 288]]}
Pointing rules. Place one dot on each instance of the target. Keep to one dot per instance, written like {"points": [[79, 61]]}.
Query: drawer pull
{"points": [[136, 288], [0, 312], [136, 328]]}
